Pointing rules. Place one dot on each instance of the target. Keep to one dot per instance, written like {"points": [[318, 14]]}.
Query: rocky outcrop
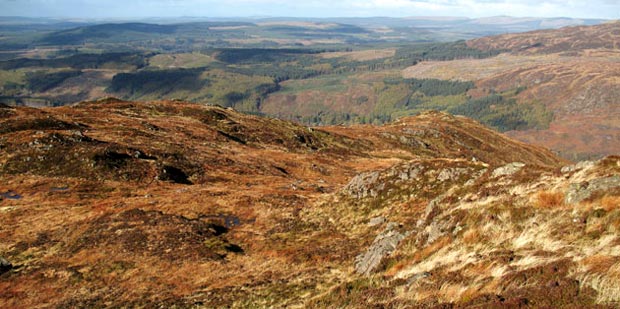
{"points": [[383, 245], [414, 177], [577, 167], [578, 192], [362, 185], [508, 169]]}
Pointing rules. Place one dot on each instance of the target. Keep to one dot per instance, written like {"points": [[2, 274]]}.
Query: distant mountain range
{"points": [[466, 26]]}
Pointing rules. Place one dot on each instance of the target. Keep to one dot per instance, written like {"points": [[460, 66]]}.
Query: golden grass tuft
{"points": [[469, 294], [549, 199], [471, 236], [420, 255], [609, 203], [600, 263]]}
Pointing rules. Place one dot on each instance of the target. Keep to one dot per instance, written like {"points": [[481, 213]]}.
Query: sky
{"points": [[606, 9]]}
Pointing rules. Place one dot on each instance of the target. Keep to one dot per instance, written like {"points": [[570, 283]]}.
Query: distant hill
{"points": [[104, 32], [573, 71], [568, 40], [71, 32]]}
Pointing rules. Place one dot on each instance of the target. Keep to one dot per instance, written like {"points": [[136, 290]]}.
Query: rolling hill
{"points": [[572, 71], [115, 203]]}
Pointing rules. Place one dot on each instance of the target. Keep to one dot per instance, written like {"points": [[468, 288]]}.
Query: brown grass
{"points": [[600, 263], [469, 294], [610, 203], [549, 199], [419, 255], [471, 236]]}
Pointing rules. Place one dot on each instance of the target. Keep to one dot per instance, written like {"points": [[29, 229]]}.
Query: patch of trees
{"points": [[158, 82], [80, 61], [41, 81], [505, 114], [442, 51], [260, 55], [284, 64], [278, 73], [434, 87]]}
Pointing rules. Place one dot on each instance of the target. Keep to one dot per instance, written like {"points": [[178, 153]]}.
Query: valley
{"points": [[556, 88]]}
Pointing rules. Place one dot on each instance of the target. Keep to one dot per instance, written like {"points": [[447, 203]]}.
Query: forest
{"points": [[221, 63]]}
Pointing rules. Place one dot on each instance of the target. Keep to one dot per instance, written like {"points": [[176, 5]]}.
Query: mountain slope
{"points": [[573, 72], [565, 40], [178, 204]]}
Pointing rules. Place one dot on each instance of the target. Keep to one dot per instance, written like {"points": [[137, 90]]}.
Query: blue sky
{"points": [[609, 9]]}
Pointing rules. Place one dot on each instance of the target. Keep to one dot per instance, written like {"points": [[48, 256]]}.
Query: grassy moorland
{"points": [[178, 204]]}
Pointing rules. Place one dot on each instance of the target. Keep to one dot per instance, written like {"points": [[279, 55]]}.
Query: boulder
{"points": [[383, 245], [416, 277], [578, 192], [452, 173], [508, 169], [376, 221], [577, 167], [362, 185]]}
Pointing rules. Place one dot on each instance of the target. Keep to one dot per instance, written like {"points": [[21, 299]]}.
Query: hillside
{"points": [[573, 72], [116, 203], [556, 88], [569, 40]]}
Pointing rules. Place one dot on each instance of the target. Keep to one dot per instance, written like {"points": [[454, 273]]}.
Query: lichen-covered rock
{"points": [[362, 185], [578, 192], [436, 229], [432, 209], [508, 169], [376, 221], [383, 245], [577, 167], [452, 173]]}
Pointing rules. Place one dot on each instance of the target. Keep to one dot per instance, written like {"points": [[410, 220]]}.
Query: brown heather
{"points": [[172, 204]]}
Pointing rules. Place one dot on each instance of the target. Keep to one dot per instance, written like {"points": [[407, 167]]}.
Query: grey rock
{"points": [[475, 177], [412, 142], [376, 221], [578, 192], [451, 173], [435, 230], [508, 169], [418, 276], [5, 265], [362, 185], [577, 167], [383, 245], [432, 209]]}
